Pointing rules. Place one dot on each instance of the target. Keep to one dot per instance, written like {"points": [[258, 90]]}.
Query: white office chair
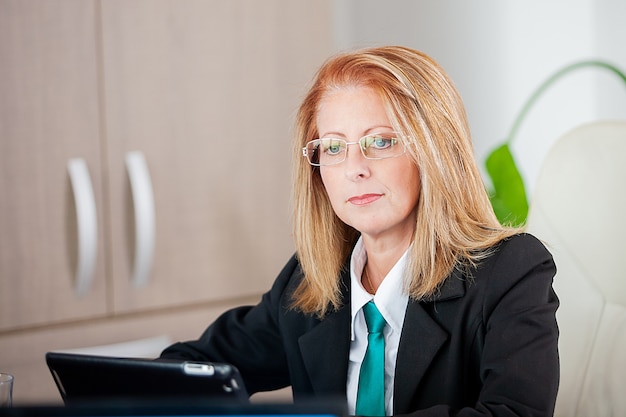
{"points": [[579, 210]]}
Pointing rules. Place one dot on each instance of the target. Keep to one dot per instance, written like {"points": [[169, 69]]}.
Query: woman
{"points": [[390, 208]]}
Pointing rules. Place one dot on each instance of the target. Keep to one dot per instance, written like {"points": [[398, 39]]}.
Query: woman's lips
{"points": [[361, 200]]}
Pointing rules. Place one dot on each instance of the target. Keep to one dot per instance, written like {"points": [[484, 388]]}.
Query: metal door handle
{"points": [[143, 203], [87, 223]]}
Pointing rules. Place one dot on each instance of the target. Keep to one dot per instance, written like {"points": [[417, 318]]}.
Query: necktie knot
{"points": [[374, 320]]}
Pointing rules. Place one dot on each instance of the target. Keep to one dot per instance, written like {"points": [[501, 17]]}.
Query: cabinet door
{"points": [[207, 91], [49, 114]]}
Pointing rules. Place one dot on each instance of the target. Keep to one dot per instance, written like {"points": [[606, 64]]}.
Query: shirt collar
{"points": [[391, 298]]}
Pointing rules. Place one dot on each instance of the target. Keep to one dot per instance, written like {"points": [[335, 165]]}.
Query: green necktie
{"points": [[370, 398]]}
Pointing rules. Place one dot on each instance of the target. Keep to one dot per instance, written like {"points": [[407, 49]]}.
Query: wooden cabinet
{"points": [[205, 91], [49, 114]]}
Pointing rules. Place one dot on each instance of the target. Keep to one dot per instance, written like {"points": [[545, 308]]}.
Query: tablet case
{"points": [[82, 377]]}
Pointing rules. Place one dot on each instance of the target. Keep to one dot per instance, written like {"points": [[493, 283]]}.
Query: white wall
{"points": [[498, 53]]}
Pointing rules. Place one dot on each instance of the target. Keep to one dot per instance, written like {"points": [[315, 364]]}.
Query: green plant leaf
{"points": [[508, 196]]}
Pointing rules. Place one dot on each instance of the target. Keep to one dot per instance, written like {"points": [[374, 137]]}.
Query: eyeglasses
{"points": [[333, 151]]}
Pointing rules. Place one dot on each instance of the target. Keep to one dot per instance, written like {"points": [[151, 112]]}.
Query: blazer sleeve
{"points": [[520, 361], [247, 336]]}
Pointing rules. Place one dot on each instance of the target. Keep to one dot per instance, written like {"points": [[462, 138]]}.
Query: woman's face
{"points": [[376, 197]]}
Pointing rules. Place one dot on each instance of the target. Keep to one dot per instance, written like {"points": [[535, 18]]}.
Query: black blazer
{"points": [[486, 344]]}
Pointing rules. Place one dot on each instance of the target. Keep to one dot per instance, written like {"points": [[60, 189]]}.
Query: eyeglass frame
{"points": [[305, 152]]}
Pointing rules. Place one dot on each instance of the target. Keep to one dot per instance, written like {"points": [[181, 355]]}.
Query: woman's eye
{"points": [[381, 142], [333, 147]]}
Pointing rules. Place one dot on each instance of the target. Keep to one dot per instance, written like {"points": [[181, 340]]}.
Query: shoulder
{"points": [[518, 261], [287, 280], [522, 253], [524, 242], [519, 266]]}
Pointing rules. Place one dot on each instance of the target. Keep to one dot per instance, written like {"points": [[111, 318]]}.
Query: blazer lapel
{"points": [[325, 349], [325, 352], [421, 339]]}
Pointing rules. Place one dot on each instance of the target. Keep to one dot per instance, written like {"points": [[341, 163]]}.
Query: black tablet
{"points": [[81, 378]]}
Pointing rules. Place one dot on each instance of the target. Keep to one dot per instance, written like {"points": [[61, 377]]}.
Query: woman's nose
{"points": [[355, 165]]}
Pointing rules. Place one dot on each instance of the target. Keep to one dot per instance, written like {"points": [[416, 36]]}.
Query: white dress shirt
{"points": [[391, 300]]}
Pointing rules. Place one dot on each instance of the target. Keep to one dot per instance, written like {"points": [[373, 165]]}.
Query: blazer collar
{"points": [[452, 287]]}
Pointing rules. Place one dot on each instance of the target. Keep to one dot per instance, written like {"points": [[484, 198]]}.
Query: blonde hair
{"points": [[455, 225]]}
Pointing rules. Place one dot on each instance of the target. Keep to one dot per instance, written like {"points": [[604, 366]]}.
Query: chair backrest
{"points": [[578, 209]]}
